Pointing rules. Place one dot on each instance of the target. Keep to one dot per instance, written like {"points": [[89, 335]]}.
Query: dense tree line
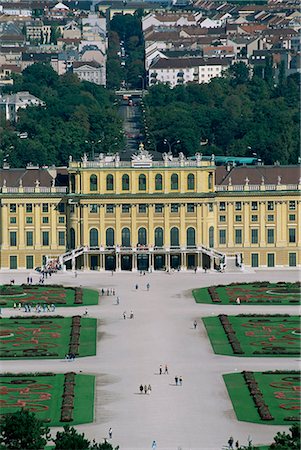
{"points": [[78, 117], [235, 115], [126, 28]]}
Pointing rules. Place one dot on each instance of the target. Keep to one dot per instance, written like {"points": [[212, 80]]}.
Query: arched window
{"points": [[174, 237], [93, 237], [110, 182], [125, 182], [211, 237], [142, 182], [93, 183], [126, 237], [72, 238], [72, 183], [159, 237], [210, 180], [174, 181], [190, 182], [190, 237], [110, 240], [158, 182], [142, 239]]}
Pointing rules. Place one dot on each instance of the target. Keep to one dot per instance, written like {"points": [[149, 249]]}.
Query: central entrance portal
{"points": [[142, 262], [159, 262], [175, 261], [126, 262], [110, 262]]}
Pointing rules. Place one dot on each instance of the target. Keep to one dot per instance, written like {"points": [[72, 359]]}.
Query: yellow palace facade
{"points": [[176, 213]]}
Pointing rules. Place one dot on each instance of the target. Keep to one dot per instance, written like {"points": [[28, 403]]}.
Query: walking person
{"points": [[131, 315], [154, 445], [160, 370], [141, 388], [166, 369], [230, 443], [195, 324], [110, 433], [148, 286], [180, 381], [136, 287], [176, 380], [145, 389], [117, 300], [124, 315], [149, 389]]}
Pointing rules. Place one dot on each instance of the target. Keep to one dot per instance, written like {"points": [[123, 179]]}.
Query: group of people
{"points": [[29, 307], [108, 292], [70, 357], [146, 389], [131, 316], [178, 380], [231, 442]]}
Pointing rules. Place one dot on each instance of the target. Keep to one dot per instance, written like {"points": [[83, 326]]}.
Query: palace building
{"points": [[145, 214]]}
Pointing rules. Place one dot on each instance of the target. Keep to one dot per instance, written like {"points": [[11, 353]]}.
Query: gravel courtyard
{"points": [[198, 414]]}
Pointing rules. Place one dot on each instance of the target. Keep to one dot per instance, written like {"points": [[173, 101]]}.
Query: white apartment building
{"points": [[170, 19], [90, 71], [177, 71], [11, 103]]}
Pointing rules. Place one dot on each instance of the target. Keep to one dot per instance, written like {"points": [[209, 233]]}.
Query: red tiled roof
{"points": [[270, 174]]}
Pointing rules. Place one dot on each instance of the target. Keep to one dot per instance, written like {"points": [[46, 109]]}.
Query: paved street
{"points": [[197, 415]]}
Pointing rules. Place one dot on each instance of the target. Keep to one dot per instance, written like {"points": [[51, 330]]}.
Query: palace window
{"points": [[190, 237], [125, 208], [45, 238], [159, 237], [238, 218], [142, 182], [271, 260], [174, 237], [222, 206], [270, 235], [12, 208], [158, 182], [93, 208], [110, 209], [93, 183], [291, 217], [174, 207], [211, 237], [110, 237], [28, 208], [222, 218], [190, 182], [190, 207], [61, 219], [254, 206], [12, 220], [254, 260], [271, 218], [110, 182], [29, 262], [238, 236], [254, 236], [270, 206], [93, 237], [292, 205], [142, 208], [45, 219], [174, 181], [61, 207], [292, 235], [125, 182], [292, 259], [13, 262], [29, 238], [238, 206], [159, 208], [45, 207], [254, 218], [13, 238], [222, 237], [61, 236], [142, 236], [126, 237]]}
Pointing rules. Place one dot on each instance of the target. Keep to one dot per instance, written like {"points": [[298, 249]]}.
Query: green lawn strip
{"points": [[88, 337], [220, 344], [48, 409], [201, 295], [291, 297], [90, 296], [36, 294], [84, 399], [241, 399], [260, 341], [264, 380], [217, 336], [53, 337], [244, 405]]}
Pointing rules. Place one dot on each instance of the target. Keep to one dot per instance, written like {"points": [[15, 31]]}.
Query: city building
{"points": [[146, 214], [90, 71], [11, 103]]}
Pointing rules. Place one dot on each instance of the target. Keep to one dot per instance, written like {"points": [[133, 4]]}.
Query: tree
{"points": [[239, 73], [287, 441], [23, 430], [70, 439]]}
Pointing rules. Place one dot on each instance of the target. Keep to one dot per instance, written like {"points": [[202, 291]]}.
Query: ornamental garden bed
{"points": [[265, 397], [259, 293], [46, 295], [47, 337], [254, 335], [57, 399]]}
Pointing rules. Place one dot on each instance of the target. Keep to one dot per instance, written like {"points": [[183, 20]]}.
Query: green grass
{"points": [[252, 293], [44, 397], [49, 337], [59, 296], [244, 405], [256, 335]]}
